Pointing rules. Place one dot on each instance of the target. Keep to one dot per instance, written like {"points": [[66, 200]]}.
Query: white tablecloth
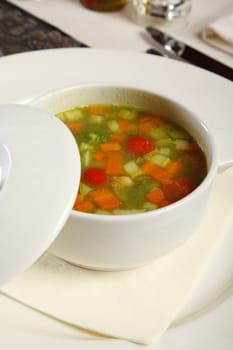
{"points": [[117, 30]]}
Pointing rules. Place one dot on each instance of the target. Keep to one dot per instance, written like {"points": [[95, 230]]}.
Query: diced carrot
{"points": [[114, 164], [146, 123], [98, 155], [105, 199], [83, 205], [155, 196], [164, 203], [110, 146], [174, 167], [158, 173], [124, 125], [146, 118], [96, 110], [118, 136], [79, 199], [74, 127]]}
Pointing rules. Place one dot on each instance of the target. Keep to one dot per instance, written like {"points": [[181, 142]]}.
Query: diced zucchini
{"points": [[159, 133], [179, 134], [150, 206], [127, 114], [84, 146], [161, 160], [149, 155], [167, 151], [96, 119], [132, 169], [84, 189], [164, 142], [73, 115], [86, 158], [113, 125], [181, 145]]}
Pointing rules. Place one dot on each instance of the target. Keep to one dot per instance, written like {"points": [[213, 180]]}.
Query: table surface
{"points": [[22, 32]]}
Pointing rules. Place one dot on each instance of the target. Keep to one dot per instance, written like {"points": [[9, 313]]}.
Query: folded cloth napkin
{"points": [[136, 305], [220, 33]]}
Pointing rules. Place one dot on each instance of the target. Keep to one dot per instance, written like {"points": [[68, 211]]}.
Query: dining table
{"points": [[39, 30]]}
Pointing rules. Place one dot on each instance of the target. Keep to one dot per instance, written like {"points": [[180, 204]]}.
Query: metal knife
{"points": [[175, 49]]}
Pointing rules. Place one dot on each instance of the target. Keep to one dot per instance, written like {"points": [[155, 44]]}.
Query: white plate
{"points": [[209, 316]]}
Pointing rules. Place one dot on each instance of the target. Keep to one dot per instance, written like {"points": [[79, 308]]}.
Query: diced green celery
{"points": [[179, 134], [61, 116], [181, 145], [149, 155], [84, 189], [132, 169], [127, 114], [164, 142], [159, 133], [84, 146], [128, 211], [150, 206], [165, 150], [113, 125], [86, 158], [96, 119], [161, 160], [73, 115]]}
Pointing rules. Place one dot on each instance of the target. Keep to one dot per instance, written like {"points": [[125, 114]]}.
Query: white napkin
{"points": [[220, 33], [137, 305]]}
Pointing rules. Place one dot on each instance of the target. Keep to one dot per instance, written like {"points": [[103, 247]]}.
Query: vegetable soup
{"points": [[132, 161]]}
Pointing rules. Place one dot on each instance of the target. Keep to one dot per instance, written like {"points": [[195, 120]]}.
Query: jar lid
{"points": [[39, 178]]}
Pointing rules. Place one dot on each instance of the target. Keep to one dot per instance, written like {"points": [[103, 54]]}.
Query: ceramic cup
{"points": [[108, 242]]}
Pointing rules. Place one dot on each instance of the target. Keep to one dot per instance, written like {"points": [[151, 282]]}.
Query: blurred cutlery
{"points": [[173, 48]]}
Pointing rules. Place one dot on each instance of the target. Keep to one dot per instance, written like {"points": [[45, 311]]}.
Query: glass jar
{"points": [[103, 5]]}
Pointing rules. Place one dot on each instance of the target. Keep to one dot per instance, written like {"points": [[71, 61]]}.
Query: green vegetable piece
{"points": [[159, 133], [161, 160], [96, 119], [167, 151], [168, 142], [85, 146], [86, 158], [150, 206], [127, 114], [73, 115], [181, 145], [132, 169], [84, 189], [95, 138], [179, 134], [113, 125]]}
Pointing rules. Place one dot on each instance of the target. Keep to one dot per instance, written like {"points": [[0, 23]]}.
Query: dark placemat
{"points": [[21, 32]]}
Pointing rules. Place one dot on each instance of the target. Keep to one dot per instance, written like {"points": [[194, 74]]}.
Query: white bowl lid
{"points": [[39, 178]]}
